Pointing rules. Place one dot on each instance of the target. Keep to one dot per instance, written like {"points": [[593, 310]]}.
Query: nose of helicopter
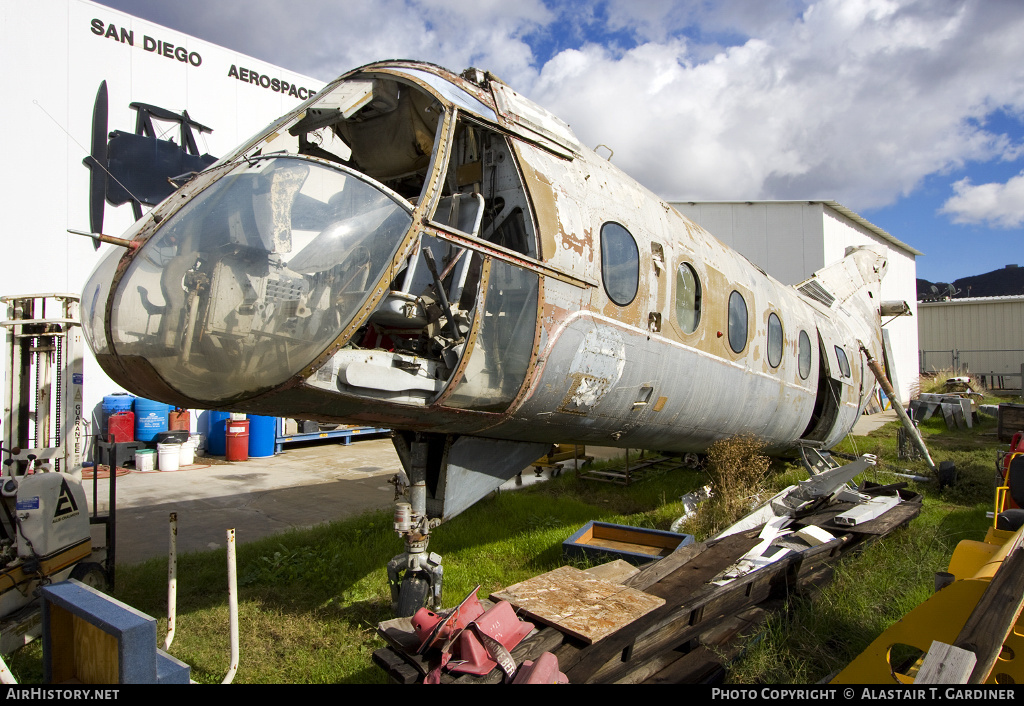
{"points": [[243, 287]]}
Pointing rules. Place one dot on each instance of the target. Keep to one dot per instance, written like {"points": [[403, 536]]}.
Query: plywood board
{"points": [[615, 571], [579, 604]]}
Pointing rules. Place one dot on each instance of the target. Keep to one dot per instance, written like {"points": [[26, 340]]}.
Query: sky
{"points": [[909, 112]]}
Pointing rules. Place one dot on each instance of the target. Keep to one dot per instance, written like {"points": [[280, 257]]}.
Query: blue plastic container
{"points": [[112, 404], [150, 418], [216, 441], [262, 435]]}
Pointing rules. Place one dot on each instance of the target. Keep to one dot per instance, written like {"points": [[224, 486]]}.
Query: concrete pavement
{"points": [[305, 485], [262, 496]]}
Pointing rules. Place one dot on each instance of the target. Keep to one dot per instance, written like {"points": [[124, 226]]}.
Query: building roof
{"points": [[835, 206], [1007, 299]]}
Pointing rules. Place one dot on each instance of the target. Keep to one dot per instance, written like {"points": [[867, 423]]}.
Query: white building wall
{"points": [[986, 333], [784, 239], [57, 53]]}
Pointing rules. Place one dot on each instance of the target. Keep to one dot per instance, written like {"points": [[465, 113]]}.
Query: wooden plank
{"points": [[689, 622], [677, 588], [576, 603], [993, 618], [399, 633], [652, 573], [631, 547], [62, 641], [628, 535], [688, 578], [946, 664], [714, 646], [396, 667], [617, 571], [96, 660], [718, 648]]}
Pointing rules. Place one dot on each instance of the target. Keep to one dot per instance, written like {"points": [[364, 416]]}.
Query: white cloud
{"points": [[999, 205], [325, 38], [856, 100]]}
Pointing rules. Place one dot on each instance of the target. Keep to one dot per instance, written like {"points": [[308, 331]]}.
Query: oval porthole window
{"points": [[737, 322], [774, 340], [804, 355], [687, 298], [844, 362], [620, 263]]}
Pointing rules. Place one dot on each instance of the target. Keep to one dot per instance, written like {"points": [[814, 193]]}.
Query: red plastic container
{"points": [[121, 427], [236, 437]]}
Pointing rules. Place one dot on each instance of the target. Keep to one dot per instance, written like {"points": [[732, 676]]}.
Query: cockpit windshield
{"points": [[256, 276], [379, 126]]}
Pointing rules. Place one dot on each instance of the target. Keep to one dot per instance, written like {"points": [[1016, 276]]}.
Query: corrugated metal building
{"points": [[979, 335], [791, 240]]}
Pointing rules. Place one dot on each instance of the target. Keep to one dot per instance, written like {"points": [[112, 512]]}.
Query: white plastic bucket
{"points": [[145, 460], [168, 456], [188, 453]]}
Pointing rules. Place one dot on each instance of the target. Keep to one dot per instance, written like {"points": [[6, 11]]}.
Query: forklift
{"points": [[46, 529]]}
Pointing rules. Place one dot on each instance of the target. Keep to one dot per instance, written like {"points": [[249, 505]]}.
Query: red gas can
{"points": [[121, 427], [179, 419]]}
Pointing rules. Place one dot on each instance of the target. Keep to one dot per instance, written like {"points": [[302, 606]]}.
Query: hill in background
{"points": [[1008, 281]]}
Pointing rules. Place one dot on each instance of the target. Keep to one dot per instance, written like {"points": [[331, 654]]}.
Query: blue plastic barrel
{"points": [[216, 442], [262, 435], [112, 404], [150, 418]]}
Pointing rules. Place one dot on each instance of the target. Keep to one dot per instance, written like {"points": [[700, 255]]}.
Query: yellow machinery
{"points": [[980, 604]]}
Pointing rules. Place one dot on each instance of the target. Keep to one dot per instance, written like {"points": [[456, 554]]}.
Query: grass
{"points": [[309, 601], [876, 587]]}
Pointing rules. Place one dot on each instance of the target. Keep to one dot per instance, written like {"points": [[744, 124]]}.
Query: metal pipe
{"points": [[442, 295], [887, 388], [100, 237], [172, 582], [232, 607]]}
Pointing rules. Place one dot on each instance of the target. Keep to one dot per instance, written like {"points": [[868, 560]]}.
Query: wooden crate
{"points": [[637, 545], [1011, 421]]}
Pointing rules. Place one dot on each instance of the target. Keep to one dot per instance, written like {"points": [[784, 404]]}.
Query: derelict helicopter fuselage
{"points": [[436, 254]]}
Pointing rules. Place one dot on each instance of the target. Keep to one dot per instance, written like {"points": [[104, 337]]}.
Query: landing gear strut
{"points": [[444, 475], [423, 573]]}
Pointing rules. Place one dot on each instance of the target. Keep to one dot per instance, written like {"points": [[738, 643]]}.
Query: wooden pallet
{"points": [[700, 627]]}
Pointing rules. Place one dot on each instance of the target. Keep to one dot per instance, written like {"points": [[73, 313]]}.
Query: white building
{"points": [[57, 53], [790, 240], [980, 335]]}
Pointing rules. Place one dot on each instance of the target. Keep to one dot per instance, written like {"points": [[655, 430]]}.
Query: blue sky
{"points": [[907, 111]]}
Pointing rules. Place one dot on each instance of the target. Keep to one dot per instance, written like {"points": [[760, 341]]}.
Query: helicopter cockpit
{"points": [[337, 247]]}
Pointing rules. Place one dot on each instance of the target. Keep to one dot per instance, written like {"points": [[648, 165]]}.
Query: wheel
{"points": [[413, 594], [91, 574]]}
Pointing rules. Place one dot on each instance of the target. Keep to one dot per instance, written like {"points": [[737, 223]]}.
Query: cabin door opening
{"points": [[826, 402]]}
